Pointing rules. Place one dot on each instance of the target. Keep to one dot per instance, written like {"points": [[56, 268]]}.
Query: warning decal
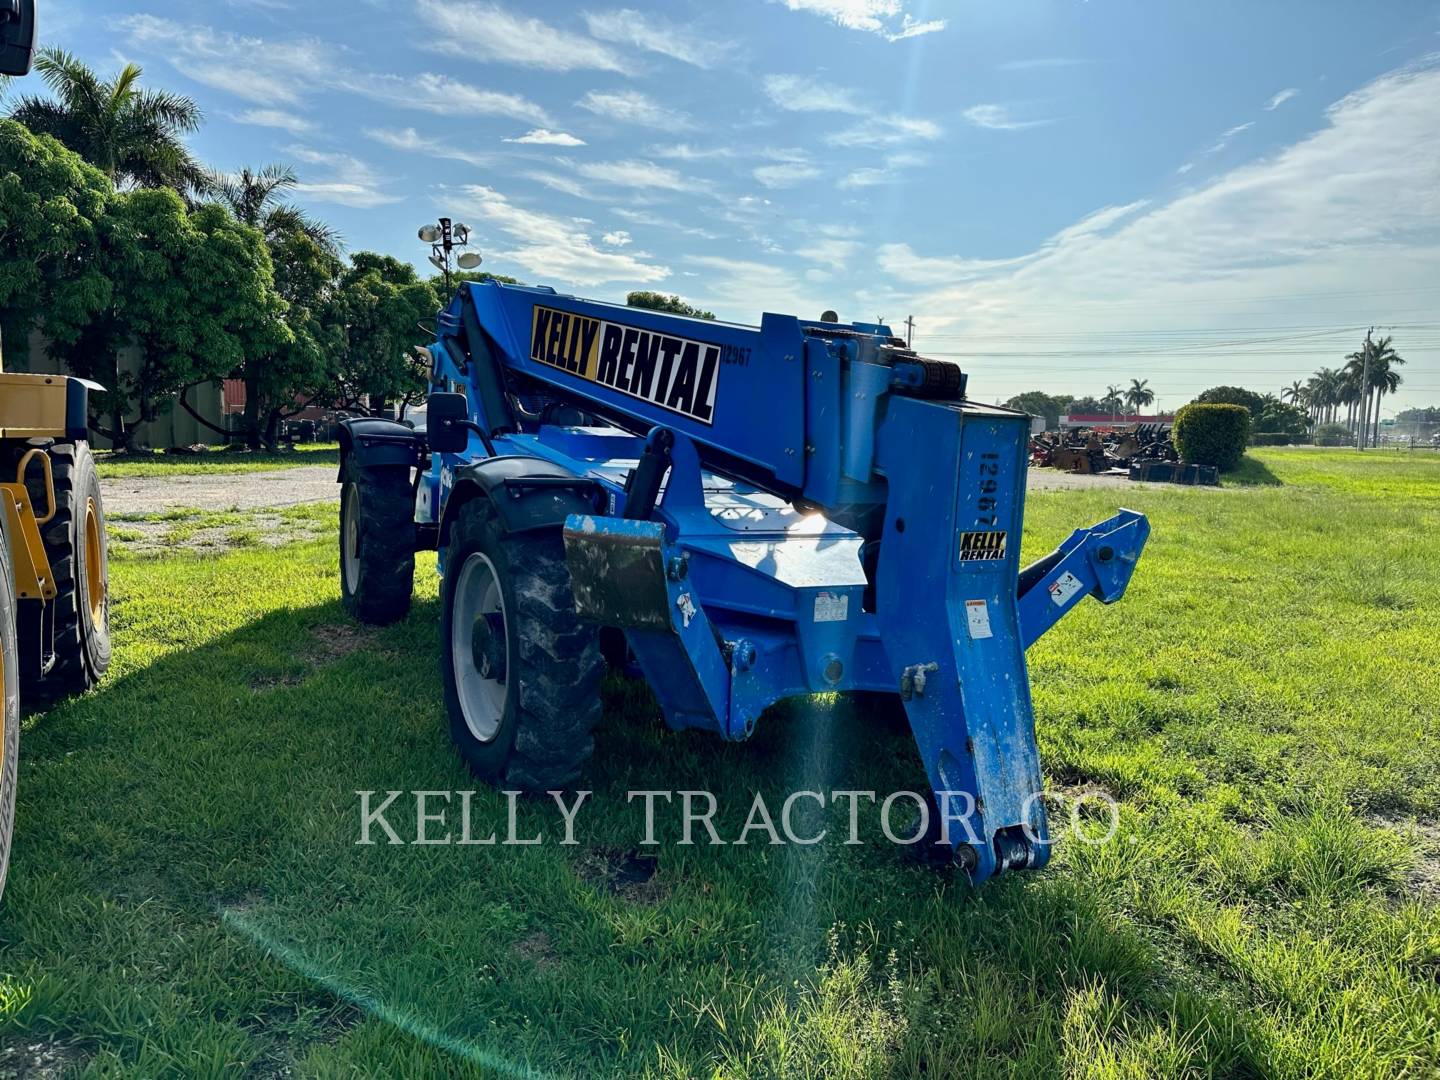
{"points": [[978, 546], [1064, 587], [674, 373], [977, 619]]}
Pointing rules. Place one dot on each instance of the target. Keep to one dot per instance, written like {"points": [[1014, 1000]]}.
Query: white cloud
{"points": [[868, 177], [486, 31], [567, 185], [1280, 98], [1347, 213], [998, 118], [910, 27], [411, 141], [275, 118], [800, 94], [554, 249], [441, 95], [873, 16], [643, 31], [829, 251], [291, 73], [1228, 136], [887, 131], [686, 152], [546, 137], [635, 174], [618, 238], [786, 174], [349, 181], [265, 72], [633, 107], [742, 289]]}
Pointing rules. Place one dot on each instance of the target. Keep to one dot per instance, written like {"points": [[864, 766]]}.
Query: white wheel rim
{"points": [[350, 545], [481, 693]]}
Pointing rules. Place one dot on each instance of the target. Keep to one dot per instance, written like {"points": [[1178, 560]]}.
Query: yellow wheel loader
{"points": [[54, 564]]}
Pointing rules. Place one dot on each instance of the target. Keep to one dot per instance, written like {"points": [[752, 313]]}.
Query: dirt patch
{"points": [[1423, 880], [221, 491], [39, 1059], [630, 875], [536, 950], [335, 641], [292, 1033], [209, 531]]}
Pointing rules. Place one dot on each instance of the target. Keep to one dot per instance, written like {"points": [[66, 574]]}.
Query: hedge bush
{"points": [[1212, 434], [1273, 438]]}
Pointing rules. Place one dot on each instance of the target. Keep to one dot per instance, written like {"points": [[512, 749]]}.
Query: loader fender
{"points": [[374, 441], [528, 493]]}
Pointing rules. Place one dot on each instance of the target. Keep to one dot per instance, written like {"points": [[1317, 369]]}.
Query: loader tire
{"points": [[522, 672], [377, 542], [9, 707], [79, 558]]}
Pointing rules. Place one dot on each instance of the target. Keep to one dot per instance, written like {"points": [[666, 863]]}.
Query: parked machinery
{"points": [[764, 511]]}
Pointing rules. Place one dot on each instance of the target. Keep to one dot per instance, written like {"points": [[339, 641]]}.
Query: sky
{"points": [[1064, 194]]}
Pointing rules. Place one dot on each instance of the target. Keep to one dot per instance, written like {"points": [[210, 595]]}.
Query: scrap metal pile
{"points": [[1144, 452]]}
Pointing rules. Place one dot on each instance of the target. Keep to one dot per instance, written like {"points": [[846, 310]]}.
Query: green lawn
{"points": [[216, 460], [186, 896]]}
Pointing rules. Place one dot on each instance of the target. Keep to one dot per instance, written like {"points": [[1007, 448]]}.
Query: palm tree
{"points": [[1376, 358], [1382, 379], [1112, 401], [1139, 395], [1296, 393], [133, 135], [254, 198]]}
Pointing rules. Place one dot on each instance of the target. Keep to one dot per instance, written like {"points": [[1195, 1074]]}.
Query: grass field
{"points": [[187, 898], [113, 466]]}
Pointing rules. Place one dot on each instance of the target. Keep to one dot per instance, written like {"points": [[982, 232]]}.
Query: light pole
{"points": [[443, 238]]}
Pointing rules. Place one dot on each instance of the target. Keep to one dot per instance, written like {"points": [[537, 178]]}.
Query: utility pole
{"points": [[1364, 394], [909, 331]]}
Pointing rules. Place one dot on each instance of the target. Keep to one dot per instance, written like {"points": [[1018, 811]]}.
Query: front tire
{"points": [[522, 672], [9, 707], [377, 542], [79, 558]]}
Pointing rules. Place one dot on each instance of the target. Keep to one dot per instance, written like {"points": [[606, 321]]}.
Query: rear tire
{"points": [[377, 542], [522, 672], [79, 558], [9, 707]]}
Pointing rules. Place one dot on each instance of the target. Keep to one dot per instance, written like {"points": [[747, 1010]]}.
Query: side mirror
{"points": [[17, 36], [446, 420]]}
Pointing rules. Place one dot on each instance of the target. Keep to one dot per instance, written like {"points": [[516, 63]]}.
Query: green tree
{"points": [[194, 295], [1139, 395], [1113, 401], [460, 277], [255, 198], [1233, 395], [52, 205], [654, 301], [1039, 403], [305, 255], [133, 135], [373, 321]]}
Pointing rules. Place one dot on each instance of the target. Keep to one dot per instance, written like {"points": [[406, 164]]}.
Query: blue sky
{"points": [[1064, 194]]}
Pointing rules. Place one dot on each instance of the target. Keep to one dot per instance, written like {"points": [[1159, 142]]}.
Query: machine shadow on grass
{"points": [[186, 862]]}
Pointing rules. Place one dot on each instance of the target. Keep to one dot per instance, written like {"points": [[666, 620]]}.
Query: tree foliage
{"points": [[134, 135], [374, 317], [51, 206], [1039, 403], [192, 292], [1212, 434], [1233, 395], [654, 301]]}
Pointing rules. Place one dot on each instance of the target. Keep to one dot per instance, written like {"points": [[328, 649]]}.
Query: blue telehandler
{"points": [[802, 507]]}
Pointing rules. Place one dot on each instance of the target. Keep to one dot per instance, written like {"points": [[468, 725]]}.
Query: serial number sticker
{"points": [[980, 546], [1063, 588], [674, 373], [977, 618], [832, 607]]}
